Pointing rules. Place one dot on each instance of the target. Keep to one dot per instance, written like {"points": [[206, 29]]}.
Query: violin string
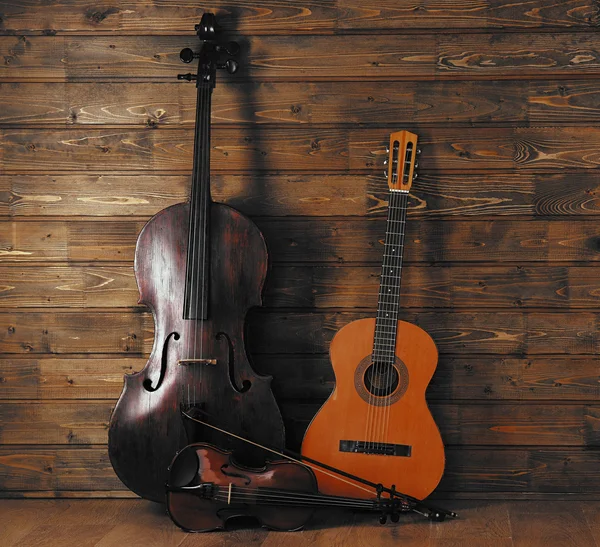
{"points": [[290, 500], [282, 495], [306, 464]]}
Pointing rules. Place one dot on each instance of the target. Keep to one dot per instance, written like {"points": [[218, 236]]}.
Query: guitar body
{"points": [[400, 418]]}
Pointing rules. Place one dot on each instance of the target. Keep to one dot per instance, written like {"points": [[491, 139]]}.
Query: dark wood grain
{"points": [[301, 149], [133, 17], [280, 332], [324, 240], [543, 425], [298, 377], [54, 469], [438, 287], [520, 194], [280, 103], [469, 56]]}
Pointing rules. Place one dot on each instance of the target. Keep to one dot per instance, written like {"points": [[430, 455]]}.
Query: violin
{"points": [[376, 423], [206, 488], [199, 266]]}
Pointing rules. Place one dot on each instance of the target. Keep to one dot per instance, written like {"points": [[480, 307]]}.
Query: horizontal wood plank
{"points": [[323, 240], [86, 422], [296, 149], [54, 469], [298, 377], [381, 56], [439, 287], [561, 194], [268, 17], [280, 332], [299, 103]]}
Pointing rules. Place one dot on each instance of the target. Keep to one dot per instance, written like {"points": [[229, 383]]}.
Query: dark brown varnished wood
{"points": [[146, 426]]}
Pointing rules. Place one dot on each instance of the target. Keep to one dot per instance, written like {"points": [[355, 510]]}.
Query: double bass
{"points": [[376, 423], [199, 266]]}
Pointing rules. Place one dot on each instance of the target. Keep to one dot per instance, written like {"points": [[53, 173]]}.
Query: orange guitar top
{"points": [[376, 423]]}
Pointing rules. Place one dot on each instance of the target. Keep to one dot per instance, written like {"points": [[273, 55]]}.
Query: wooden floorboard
{"points": [[132, 523]]}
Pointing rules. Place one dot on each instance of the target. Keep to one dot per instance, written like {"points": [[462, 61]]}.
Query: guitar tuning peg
{"points": [[387, 149], [418, 151], [385, 162], [415, 176], [385, 173], [416, 164], [189, 77]]}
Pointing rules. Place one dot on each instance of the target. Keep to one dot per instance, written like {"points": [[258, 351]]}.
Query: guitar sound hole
{"points": [[381, 379]]}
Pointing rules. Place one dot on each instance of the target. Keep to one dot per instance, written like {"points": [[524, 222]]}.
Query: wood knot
{"points": [[371, 99], [295, 109], [105, 149], [70, 381], [70, 436], [49, 32], [112, 46], [48, 469], [2, 380], [8, 59], [488, 390], [518, 302], [11, 330], [96, 17], [156, 56], [31, 147], [315, 145]]}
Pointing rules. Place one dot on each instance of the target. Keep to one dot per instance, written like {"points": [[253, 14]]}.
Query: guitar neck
{"points": [[388, 305]]}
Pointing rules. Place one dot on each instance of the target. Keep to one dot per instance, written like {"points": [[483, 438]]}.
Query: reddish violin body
{"points": [[207, 487], [199, 266]]}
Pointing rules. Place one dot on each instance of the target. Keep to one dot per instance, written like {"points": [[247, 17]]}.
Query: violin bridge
{"points": [[197, 362]]}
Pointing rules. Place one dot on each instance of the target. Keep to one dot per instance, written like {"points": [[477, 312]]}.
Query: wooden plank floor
{"points": [[129, 523]]}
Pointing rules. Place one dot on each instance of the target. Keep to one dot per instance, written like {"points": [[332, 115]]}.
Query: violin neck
{"points": [[388, 306], [198, 253]]}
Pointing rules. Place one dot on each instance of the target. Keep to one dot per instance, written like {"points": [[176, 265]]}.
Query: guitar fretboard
{"points": [[391, 273]]}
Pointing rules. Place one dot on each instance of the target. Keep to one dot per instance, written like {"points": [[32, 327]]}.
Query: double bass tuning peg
{"points": [[187, 55], [231, 65]]}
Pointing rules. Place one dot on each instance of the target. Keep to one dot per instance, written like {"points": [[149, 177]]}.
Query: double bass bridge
{"points": [[189, 362]]}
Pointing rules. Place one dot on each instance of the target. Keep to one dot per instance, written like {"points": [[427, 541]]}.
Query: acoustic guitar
{"points": [[376, 424]]}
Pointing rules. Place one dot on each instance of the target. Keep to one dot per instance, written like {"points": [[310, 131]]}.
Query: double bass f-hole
{"points": [[246, 384], [163, 364]]}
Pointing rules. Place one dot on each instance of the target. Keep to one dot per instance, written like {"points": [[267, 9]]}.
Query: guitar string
{"points": [[370, 436], [400, 235], [387, 308]]}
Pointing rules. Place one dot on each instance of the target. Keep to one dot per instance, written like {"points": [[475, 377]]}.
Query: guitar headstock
{"points": [[401, 162]]}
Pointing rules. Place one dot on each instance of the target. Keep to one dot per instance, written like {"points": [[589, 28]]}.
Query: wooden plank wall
{"points": [[503, 240]]}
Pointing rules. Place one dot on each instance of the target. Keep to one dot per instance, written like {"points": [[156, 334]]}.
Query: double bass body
{"points": [[146, 426], [199, 266]]}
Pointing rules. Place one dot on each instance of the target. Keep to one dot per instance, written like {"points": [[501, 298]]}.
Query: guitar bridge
{"points": [[377, 449]]}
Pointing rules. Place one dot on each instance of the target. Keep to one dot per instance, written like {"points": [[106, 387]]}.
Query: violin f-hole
{"points": [[246, 384], [163, 364]]}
